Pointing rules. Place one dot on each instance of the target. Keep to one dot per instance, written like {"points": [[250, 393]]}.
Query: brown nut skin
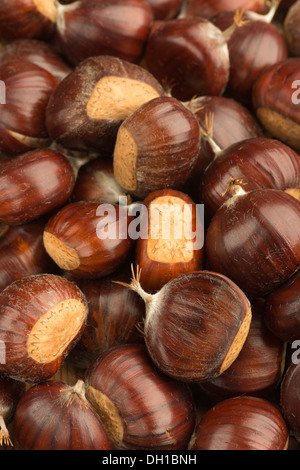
{"points": [[85, 241], [39, 53], [165, 9], [291, 29], [289, 398], [91, 28], [156, 147], [141, 408], [253, 238], [74, 425], [241, 423], [33, 184], [259, 162], [87, 108], [259, 367], [11, 392], [28, 88], [276, 101], [22, 253], [161, 260], [209, 8], [27, 19], [282, 310], [41, 318]]}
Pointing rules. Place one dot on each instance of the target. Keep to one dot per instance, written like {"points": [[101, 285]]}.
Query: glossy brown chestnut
{"points": [[27, 19], [87, 108], [291, 27], [253, 238], [276, 98], [282, 310], [33, 184], [156, 147], [115, 315], [41, 318], [241, 423], [11, 392], [141, 408], [289, 398], [96, 182], [210, 315], [74, 425], [209, 8], [22, 252], [22, 120], [90, 28], [165, 9], [259, 367], [259, 162], [89, 239], [174, 238], [189, 55], [252, 48], [39, 53]]}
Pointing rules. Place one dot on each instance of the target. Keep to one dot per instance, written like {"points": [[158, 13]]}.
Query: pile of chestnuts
{"points": [[149, 225]]}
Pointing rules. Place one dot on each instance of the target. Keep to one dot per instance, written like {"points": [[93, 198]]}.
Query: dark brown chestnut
{"points": [[259, 367], [89, 239], [190, 56], [11, 392], [28, 88], [165, 9], [276, 99], [87, 108], [39, 53], [253, 238], [282, 310], [140, 407], [89, 28], [41, 318], [253, 47], [33, 184], [289, 399], [114, 317], [74, 425], [260, 163], [22, 252], [174, 238], [291, 27], [210, 315], [241, 423], [27, 19], [210, 8], [156, 147]]}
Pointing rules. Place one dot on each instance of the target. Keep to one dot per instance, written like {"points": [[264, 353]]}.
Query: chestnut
{"points": [[190, 55], [39, 53], [282, 310], [89, 239], [275, 99], [33, 184], [96, 182], [11, 392], [253, 238], [291, 26], [22, 253], [28, 88], [259, 162], [289, 399], [41, 318], [258, 369], [89, 28], [114, 317], [210, 8], [88, 106], [252, 48], [140, 407], [27, 19], [173, 244], [241, 423], [156, 147], [210, 315], [74, 425], [165, 9]]}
